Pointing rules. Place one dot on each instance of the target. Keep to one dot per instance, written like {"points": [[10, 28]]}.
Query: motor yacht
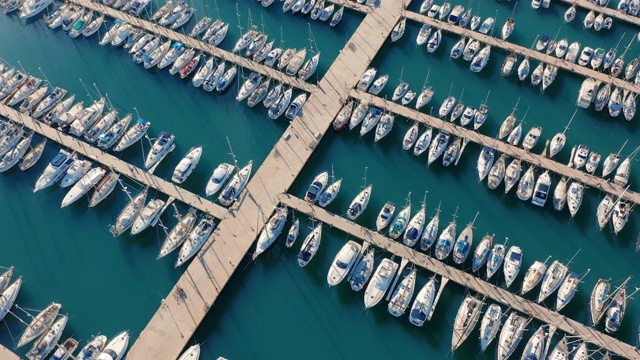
{"points": [[115, 349], [344, 260], [88, 181], [55, 170], [380, 282], [161, 147]]}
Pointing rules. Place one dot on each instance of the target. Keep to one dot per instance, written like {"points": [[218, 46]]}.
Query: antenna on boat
{"points": [[402, 73], [235, 161], [455, 214], [49, 82], [461, 93]]}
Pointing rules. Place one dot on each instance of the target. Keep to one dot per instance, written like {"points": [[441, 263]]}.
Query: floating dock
{"points": [[120, 166], [196, 44], [175, 321], [498, 294], [503, 147], [6, 354]]}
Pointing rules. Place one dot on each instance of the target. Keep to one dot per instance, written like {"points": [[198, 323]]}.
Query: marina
{"points": [[196, 289], [503, 147], [182, 311], [523, 51], [196, 44], [464, 279], [114, 163]]}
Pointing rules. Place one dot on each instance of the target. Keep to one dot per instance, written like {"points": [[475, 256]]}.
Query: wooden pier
{"points": [[606, 11], [503, 147], [522, 51], [196, 44], [498, 294], [6, 354], [120, 166], [187, 304]]}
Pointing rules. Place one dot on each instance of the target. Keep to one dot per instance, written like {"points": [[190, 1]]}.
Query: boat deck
{"points": [[120, 166], [196, 291], [196, 44], [460, 277], [503, 147], [6, 354]]}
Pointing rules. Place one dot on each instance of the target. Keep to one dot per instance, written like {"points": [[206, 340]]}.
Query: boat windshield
{"points": [[58, 160], [516, 257]]}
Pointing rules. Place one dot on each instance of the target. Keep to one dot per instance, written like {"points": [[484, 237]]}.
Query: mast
{"points": [[570, 120], [426, 80], [235, 161]]}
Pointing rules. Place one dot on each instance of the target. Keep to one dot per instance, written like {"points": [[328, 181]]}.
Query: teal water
{"points": [[272, 308]]}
